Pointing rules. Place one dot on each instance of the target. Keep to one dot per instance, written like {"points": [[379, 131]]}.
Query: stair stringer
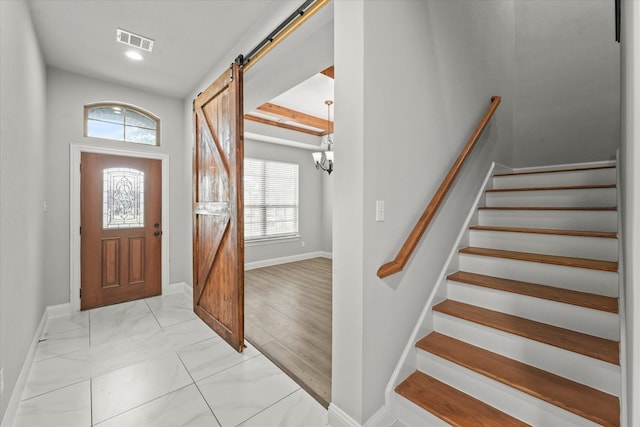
{"points": [[622, 303], [409, 359]]}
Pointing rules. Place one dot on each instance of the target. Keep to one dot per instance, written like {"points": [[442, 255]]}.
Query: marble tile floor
{"points": [[154, 363]]}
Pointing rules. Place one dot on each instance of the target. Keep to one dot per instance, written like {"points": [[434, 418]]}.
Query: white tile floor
{"points": [[154, 363]]}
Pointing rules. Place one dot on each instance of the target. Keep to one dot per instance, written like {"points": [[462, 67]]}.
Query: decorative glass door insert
{"points": [[123, 198]]}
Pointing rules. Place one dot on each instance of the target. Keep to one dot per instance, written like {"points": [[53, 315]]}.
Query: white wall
{"points": [[23, 149], [67, 94], [567, 82], [412, 81], [310, 199], [630, 174]]}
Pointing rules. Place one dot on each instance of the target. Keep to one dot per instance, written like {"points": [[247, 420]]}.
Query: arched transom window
{"points": [[121, 122]]}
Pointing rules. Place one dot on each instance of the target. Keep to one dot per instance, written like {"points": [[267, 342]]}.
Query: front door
{"points": [[121, 229], [218, 227]]}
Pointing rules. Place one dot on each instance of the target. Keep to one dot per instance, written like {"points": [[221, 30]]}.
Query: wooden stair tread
{"points": [[582, 400], [567, 187], [601, 234], [592, 264], [588, 345], [555, 170], [451, 405], [549, 208], [566, 296]]}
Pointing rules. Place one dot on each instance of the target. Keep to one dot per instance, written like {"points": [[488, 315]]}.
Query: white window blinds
{"points": [[270, 199]]}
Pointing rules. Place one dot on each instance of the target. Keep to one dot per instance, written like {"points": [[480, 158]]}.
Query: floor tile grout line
{"points": [[195, 383], [91, 400], [54, 390], [59, 354], [273, 404], [259, 353], [138, 406]]}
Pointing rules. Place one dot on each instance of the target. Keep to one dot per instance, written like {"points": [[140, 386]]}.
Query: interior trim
{"points": [[75, 152]]}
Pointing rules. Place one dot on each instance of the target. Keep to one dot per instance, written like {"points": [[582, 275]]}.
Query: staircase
{"points": [[529, 332]]}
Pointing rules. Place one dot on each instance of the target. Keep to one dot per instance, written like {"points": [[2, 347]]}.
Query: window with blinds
{"points": [[270, 199]]}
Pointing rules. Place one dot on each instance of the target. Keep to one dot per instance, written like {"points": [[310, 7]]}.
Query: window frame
{"points": [[133, 108], [273, 238]]}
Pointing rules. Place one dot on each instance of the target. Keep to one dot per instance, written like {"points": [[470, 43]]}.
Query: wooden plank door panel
{"points": [[218, 227]]}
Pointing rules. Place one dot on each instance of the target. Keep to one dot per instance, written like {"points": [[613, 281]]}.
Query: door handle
{"points": [[157, 233]]}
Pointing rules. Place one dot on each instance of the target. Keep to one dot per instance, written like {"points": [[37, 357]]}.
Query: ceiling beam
{"points": [[283, 125], [328, 72], [295, 116]]}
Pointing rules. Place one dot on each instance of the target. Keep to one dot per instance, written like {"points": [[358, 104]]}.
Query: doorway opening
{"points": [[218, 155], [75, 270], [120, 212], [288, 279]]}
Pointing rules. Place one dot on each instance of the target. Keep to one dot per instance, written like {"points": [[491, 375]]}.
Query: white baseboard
{"points": [[382, 418], [339, 418], [284, 260], [58, 310], [12, 408], [176, 288]]}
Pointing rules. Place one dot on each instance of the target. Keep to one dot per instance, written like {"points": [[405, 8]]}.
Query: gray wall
{"points": [[412, 81], [67, 95], [23, 148], [567, 80], [311, 198]]}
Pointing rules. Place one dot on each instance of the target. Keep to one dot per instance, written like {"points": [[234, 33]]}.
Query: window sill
{"points": [[271, 240]]}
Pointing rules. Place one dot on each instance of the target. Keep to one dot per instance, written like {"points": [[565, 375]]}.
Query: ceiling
{"points": [[192, 38]]}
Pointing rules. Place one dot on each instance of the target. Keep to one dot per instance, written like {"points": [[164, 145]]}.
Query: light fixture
{"points": [[132, 54], [324, 159]]}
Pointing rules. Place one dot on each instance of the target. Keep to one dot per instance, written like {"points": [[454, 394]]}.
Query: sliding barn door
{"points": [[218, 223]]}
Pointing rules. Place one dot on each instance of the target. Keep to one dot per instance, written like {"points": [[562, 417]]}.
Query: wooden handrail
{"points": [[421, 226]]}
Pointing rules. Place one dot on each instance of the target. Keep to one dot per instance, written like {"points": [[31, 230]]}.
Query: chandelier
{"points": [[324, 159]]}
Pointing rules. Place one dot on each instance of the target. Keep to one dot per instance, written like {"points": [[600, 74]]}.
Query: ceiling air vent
{"points": [[130, 39]]}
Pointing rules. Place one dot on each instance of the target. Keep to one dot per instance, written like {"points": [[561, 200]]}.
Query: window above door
{"points": [[121, 122]]}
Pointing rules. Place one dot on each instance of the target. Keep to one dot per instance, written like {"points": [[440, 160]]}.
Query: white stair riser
{"points": [[549, 179], [413, 415], [600, 197], [553, 219], [506, 399], [577, 279], [574, 366], [588, 321], [552, 244]]}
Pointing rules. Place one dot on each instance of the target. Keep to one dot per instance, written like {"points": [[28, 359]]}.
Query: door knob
{"points": [[157, 233], [156, 225]]}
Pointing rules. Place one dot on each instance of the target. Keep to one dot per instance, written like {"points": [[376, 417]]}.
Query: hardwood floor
{"points": [[288, 318]]}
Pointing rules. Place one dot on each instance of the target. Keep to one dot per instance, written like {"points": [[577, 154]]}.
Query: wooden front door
{"points": [[121, 229], [218, 223]]}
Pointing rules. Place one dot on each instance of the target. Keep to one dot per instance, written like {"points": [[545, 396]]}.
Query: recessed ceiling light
{"points": [[132, 54]]}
